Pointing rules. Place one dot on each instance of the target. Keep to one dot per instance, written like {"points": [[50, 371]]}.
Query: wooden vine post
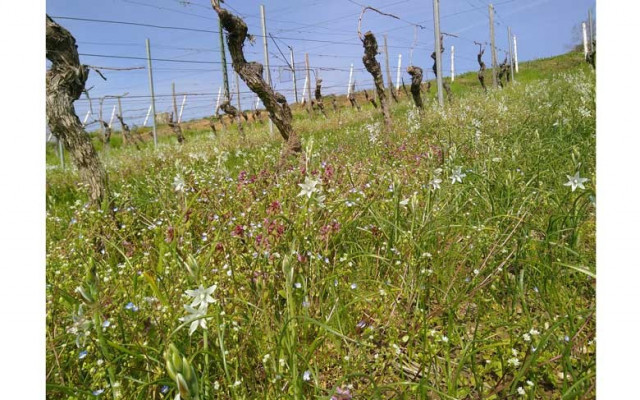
{"points": [[173, 121], [65, 82], [434, 68], [252, 74]]}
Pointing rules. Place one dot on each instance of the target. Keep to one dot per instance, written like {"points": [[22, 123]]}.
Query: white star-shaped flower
{"points": [[575, 181], [435, 183], [178, 183], [202, 295], [308, 187], [195, 317], [457, 175]]}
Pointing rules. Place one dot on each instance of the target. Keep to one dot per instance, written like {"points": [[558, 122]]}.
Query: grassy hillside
{"points": [[449, 259]]}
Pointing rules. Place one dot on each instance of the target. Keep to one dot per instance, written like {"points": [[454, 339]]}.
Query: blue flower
{"points": [[98, 392], [164, 389], [106, 323], [131, 306], [82, 354]]}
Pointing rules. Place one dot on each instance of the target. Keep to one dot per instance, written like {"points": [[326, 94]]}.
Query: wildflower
{"points": [[575, 181], [164, 389], [529, 383], [445, 339], [354, 286], [435, 183], [404, 202], [514, 361], [106, 324], [80, 327], [308, 187], [457, 175], [178, 183], [521, 391], [202, 295], [82, 354], [342, 394], [533, 332], [98, 392], [132, 307], [195, 317], [297, 285], [306, 376], [526, 337]]}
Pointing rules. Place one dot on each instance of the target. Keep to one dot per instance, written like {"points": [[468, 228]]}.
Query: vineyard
{"points": [[449, 255]]}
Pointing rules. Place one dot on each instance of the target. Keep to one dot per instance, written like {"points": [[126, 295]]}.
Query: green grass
{"points": [[378, 283]]}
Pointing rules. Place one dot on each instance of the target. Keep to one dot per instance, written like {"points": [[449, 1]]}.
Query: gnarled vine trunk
{"points": [[318, 94], [177, 129], [483, 67], [373, 66], [65, 82], [416, 81], [251, 74], [126, 133], [228, 109], [370, 99]]}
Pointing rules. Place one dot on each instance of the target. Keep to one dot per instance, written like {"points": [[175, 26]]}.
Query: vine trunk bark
{"points": [[373, 66], [251, 74], [416, 81], [65, 81]]}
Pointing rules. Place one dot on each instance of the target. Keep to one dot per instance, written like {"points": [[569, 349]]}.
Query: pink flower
{"points": [[342, 394]]}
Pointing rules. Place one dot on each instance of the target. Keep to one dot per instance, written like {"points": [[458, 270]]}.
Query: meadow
{"points": [[453, 258]]}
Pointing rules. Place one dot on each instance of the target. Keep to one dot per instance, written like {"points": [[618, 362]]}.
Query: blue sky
{"points": [[543, 28]]}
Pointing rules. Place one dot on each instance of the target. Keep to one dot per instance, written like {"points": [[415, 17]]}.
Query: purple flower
{"points": [[342, 394], [131, 306]]}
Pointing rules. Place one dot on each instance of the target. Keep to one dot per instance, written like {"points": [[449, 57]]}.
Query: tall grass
{"points": [[378, 283]]}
